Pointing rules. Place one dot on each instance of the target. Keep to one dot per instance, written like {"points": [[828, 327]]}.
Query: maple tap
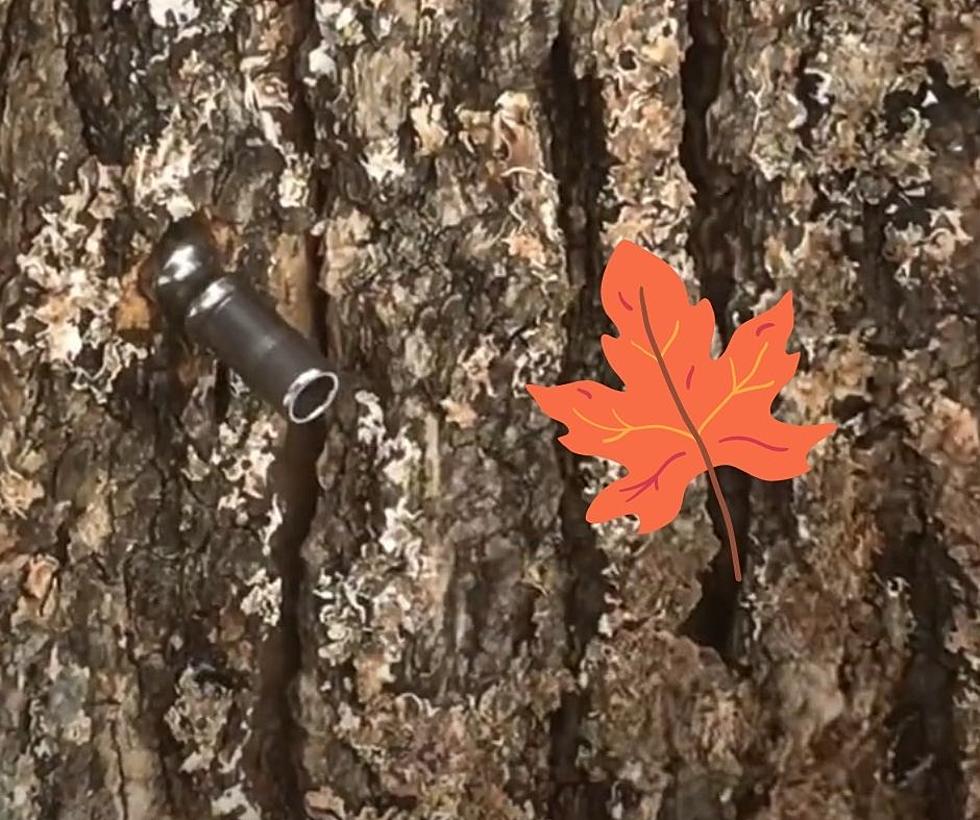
{"points": [[223, 313]]}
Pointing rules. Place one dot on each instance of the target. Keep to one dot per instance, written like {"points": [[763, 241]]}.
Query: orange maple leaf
{"points": [[681, 412]]}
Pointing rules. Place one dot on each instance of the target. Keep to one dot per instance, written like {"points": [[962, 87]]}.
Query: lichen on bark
{"points": [[402, 613]]}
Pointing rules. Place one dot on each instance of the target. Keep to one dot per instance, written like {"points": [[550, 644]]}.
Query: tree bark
{"points": [[402, 612]]}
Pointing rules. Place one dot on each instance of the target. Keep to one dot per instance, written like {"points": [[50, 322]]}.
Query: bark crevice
{"points": [[281, 778], [13, 37], [580, 161], [925, 758], [712, 621]]}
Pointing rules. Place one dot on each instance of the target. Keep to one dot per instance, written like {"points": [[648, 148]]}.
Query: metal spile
{"points": [[226, 315]]}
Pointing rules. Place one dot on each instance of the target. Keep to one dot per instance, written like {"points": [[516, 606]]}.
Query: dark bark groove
{"points": [[579, 159], [717, 195]]}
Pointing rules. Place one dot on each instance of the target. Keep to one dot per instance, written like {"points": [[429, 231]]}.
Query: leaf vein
{"points": [[627, 428], [670, 341]]}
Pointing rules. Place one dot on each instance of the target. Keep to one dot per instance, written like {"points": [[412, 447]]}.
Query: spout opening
{"points": [[310, 394]]}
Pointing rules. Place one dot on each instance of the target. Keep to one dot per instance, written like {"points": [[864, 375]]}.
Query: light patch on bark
{"points": [[381, 160], [94, 525], [323, 803], [294, 186], [60, 258], [342, 614], [809, 698], [419, 356], [370, 424], [428, 120], [264, 597], [398, 536], [247, 451], [234, 801], [273, 523], [476, 367], [173, 12], [345, 249], [40, 576], [460, 413], [161, 170], [17, 493], [198, 717]]}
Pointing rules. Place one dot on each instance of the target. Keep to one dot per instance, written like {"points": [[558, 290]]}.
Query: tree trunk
{"points": [[402, 613]]}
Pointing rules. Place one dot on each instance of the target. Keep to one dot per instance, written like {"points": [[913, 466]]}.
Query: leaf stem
{"points": [[712, 475]]}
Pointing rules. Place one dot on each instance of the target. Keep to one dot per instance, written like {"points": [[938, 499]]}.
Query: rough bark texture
{"points": [[402, 613]]}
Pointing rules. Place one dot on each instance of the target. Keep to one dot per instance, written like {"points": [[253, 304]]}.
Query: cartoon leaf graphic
{"points": [[681, 412]]}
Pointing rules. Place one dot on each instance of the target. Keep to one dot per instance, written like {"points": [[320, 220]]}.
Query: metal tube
{"points": [[183, 263], [244, 331], [274, 358]]}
